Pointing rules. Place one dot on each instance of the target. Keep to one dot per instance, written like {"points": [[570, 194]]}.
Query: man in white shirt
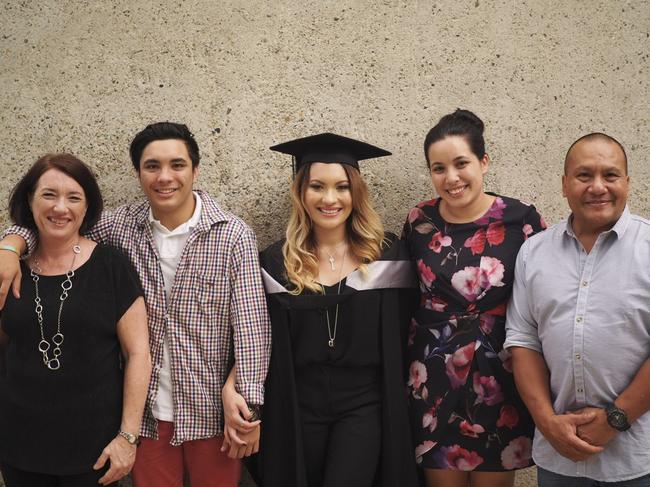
{"points": [[578, 327]]}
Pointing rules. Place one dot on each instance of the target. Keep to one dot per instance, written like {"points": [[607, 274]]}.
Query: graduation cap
{"points": [[328, 148]]}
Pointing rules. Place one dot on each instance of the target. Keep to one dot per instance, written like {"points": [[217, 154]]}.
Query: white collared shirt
{"points": [[170, 244], [589, 315]]}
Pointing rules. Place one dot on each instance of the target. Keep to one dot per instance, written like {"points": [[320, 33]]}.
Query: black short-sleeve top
{"points": [[58, 421]]}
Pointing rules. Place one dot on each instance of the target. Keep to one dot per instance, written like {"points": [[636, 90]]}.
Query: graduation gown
{"points": [[280, 462]]}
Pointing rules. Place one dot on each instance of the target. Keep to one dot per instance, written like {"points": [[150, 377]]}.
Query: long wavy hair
{"points": [[364, 231]]}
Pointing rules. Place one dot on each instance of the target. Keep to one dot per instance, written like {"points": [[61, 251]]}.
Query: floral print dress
{"points": [[465, 411]]}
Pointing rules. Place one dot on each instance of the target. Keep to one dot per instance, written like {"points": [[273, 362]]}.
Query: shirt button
{"points": [[580, 390], [585, 283], [578, 356], [579, 319]]}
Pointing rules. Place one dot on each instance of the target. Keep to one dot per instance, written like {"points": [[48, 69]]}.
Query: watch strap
{"points": [[255, 411], [130, 437]]}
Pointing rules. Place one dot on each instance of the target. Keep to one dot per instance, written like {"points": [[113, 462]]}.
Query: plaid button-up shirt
{"points": [[216, 315]]}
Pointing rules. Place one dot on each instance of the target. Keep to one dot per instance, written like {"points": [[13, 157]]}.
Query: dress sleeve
{"points": [[535, 222], [126, 284]]}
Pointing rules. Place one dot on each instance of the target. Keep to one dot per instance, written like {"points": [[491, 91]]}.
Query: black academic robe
{"points": [[280, 462]]}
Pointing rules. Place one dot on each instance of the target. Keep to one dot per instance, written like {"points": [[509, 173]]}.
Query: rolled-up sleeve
{"points": [[249, 319], [521, 327]]}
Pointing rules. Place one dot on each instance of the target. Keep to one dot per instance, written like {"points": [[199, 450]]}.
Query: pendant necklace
{"points": [[44, 346], [330, 258], [332, 335]]}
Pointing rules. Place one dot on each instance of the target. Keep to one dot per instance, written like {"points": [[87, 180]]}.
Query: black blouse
{"points": [[357, 332], [58, 421]]}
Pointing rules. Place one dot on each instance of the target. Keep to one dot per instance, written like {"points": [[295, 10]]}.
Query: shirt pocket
{"points": [[210, 328], [213, 296]]}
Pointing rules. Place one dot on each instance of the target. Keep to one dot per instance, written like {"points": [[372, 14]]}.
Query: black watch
{"points": [[617, 418], [256, 412]]}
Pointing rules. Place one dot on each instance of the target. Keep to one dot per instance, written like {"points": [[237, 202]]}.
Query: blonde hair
{"points": [[365, 232]]}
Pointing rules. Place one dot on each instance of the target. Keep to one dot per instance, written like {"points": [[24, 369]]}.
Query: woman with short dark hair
{"points": [[76, 361]]}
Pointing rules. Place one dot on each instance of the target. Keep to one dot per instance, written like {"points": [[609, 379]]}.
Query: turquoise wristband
{"points": [[11, 248]]}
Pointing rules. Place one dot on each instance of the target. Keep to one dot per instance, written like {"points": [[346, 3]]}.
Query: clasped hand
{"points": [[597, 432], [241, 437], [579, 434]]}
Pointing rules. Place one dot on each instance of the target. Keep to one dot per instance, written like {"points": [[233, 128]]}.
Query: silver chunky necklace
{"points": [[44, 346], [330, 334]]}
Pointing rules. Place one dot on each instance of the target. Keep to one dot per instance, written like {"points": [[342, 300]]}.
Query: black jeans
{"points": [[550, 479]]}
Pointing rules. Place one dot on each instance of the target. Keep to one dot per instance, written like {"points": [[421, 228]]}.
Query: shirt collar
{"points": [[619, 227], [184, 227]]}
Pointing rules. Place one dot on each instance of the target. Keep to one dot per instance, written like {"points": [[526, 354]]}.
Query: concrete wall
{"points": [[84, 76]]}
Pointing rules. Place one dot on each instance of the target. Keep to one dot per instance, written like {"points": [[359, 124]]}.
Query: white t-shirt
{"points": [[170, 244]]}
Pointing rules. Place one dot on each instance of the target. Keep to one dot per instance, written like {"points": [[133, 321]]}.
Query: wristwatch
{"points": [[130, 437], [256, 412], [616, 417]]}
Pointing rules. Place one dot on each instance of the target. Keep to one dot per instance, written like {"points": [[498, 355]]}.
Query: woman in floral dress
{"points": [[469, 424]]}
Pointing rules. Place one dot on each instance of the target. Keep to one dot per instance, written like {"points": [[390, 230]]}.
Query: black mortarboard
{"points": [[329, 148]]}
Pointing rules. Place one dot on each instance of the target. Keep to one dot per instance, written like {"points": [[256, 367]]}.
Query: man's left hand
{"points": [[598, 432]]}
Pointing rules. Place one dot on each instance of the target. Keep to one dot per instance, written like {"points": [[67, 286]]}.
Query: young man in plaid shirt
{"points": [[207, 314]]}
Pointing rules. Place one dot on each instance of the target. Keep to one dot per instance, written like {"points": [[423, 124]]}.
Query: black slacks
{"points": [[14, 477], [340, 411]]}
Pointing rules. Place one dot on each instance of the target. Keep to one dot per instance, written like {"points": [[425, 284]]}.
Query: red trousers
{"points": [[159, 464]]}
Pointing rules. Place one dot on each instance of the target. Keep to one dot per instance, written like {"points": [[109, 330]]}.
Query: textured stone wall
{"points": [[84, 76]]}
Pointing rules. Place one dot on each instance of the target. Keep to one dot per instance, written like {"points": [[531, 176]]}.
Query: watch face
{"points": [[130, 437], [617, 418]]}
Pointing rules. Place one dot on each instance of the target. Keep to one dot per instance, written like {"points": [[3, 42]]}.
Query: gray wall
{"points": [[84, 76]]}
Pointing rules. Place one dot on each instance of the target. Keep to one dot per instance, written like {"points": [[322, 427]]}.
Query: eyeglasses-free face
{"points": [[457, 176], [596, 185], [58, 206], [167, 178]]}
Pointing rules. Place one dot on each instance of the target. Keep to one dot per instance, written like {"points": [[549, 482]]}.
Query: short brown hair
{"points": [[19, 208]]}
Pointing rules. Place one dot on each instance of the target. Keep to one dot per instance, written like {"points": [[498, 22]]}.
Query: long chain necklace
{"points": [[44, 346], [330, 334]]}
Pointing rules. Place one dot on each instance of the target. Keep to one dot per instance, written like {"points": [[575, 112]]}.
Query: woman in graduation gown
{"points": [[339, 293]]}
